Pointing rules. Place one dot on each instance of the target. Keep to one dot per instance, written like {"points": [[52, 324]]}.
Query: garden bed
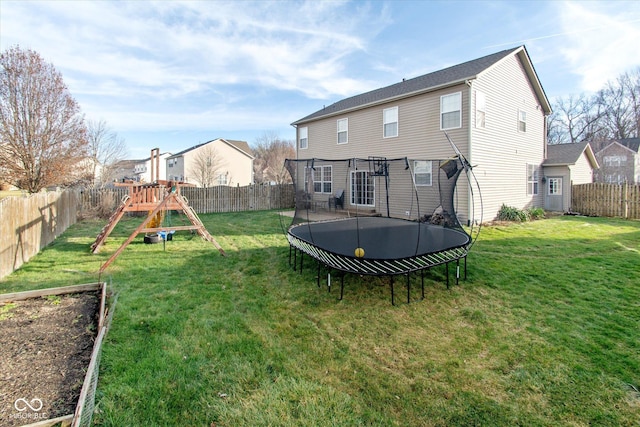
{"points": [[48, 357]]}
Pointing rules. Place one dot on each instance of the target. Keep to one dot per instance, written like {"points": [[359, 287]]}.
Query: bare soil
{"points": [[45, 349]]}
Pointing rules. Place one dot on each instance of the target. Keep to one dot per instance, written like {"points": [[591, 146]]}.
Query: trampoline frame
{"points": [[376, 267]]}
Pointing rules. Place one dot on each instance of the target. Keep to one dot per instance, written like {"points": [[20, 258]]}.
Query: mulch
{"points": [[45, 349]]}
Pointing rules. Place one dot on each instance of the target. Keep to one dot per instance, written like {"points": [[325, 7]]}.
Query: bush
{"points": [[509, 213], [536, 213]]}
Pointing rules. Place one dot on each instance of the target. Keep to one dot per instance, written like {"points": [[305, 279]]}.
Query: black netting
{"points": [[376, 215], [411, 189]]}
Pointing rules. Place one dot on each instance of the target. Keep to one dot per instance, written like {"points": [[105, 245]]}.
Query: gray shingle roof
{"points": [[441, 78], [564, 154]]}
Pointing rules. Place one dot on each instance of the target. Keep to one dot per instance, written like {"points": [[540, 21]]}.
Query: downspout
{"points": [[470, 209]]}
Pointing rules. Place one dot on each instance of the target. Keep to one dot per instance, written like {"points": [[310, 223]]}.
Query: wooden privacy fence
{"points": [[238, 199], [610, 200], [28, 224], [205, 200]]}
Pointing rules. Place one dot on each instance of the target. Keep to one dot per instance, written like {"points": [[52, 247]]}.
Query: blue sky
{"points": [[175, 74]]}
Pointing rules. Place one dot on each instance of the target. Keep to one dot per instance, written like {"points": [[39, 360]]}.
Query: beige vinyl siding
{"points": [[419, 137], [582, 172], [237, 165], [500, 151]]}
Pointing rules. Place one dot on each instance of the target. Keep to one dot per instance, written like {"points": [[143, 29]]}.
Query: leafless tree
{"points": [[270, 153], [106, 150], [42, 133], [207, 167], [576, 119], [614, 112], [620, 103]]}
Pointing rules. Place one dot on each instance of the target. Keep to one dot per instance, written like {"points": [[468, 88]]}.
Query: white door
{"points": [[554, 197]]}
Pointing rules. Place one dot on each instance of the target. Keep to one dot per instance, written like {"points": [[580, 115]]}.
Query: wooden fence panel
{"points": [[610, 200], [239, 199], [28, 224]]}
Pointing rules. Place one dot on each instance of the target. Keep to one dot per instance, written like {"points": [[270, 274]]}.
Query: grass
{"points": [[544, 331]]}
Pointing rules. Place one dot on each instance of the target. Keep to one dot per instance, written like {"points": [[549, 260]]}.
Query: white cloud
{"points": [[601, 40], [169, 49]]}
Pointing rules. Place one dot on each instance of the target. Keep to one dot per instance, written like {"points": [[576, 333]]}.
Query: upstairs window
{"points": [[522, 121], [303, 141], [222, 179], [532, 180], [615, 161], [390, 122], [422, 172], [451, 111], [343, 131], [481, 110]]}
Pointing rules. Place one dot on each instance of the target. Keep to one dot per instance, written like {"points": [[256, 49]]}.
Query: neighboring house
{"points": [[494, 109], [566, 164], [619, 161], [142, 169], [124, 170], [216, 162]]}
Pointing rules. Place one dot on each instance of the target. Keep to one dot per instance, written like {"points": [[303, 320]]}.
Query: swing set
{"points": [[158, 199]]}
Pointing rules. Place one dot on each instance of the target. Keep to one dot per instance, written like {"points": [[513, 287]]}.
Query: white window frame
{"points": [[453, 105], [342, 126], [481, 110], [223, 179], [303, 135], [323, 179], [366, 184], [532, 179], [522, 121], [423, 173], [554, 187], [389, 117]]}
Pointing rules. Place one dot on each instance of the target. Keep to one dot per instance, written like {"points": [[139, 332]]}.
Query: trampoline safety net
{"points": [[377, 216]]}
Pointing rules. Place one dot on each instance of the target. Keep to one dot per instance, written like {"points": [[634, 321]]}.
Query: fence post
{"points": [[625, 201]]}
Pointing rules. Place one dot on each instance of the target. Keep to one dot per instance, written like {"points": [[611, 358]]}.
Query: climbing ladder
{"points": [[113, 220]]}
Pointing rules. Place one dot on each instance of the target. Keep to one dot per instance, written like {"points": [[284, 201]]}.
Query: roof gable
{"points": [[241, 146], [631, 144], [429, 82], [569, 154]]}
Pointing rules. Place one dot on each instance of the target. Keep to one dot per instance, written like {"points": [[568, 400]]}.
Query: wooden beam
{"points": [[133, 235], [19, 296]]}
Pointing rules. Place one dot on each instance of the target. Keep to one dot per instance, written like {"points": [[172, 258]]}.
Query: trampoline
{"points": [[390, 246], [378, 216]]}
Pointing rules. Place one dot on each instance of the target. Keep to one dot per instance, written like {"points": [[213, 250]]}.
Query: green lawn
{"points": [[545, 331]]}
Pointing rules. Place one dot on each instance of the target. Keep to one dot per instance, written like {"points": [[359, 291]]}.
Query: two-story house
{"points": [[493, 108], [619, 161], [216, 162]]}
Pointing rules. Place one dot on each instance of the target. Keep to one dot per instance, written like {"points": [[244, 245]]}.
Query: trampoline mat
{"points": [[380, 238]]}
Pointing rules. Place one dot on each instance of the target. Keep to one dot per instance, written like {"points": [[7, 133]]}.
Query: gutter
{"points": [[466, 80]]}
